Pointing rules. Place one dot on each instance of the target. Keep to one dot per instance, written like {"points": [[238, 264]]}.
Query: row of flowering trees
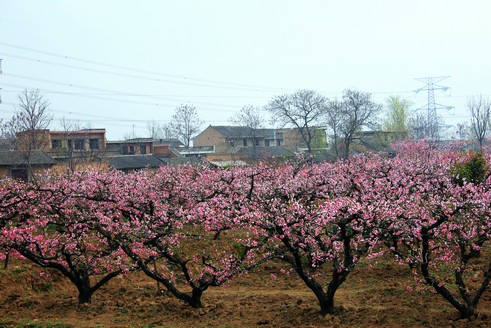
{"points": [[320, 219]]}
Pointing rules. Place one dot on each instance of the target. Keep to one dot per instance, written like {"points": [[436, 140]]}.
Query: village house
{"points": [[166, 148], [241, 143]]}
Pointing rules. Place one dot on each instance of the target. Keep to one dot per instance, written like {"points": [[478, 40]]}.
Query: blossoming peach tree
{"points": [[438, 226], [316, 216], [52, 228], [170, 218]]}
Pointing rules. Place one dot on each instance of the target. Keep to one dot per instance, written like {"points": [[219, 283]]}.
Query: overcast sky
{"points": [[119, 64]]}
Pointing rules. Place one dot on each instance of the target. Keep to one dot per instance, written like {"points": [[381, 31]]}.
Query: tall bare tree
{"points": [[359, 110], [26, 131], [302, 110], [159, 131], [185, 123], [252, 120], [461, 131], [480, 110], [422, 126], [334, 118]]}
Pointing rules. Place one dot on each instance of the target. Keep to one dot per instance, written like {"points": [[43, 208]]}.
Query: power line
{"points": [[108, 92], [266, 88]]}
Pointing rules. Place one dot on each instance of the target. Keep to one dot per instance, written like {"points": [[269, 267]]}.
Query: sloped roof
{"points": [[242, 131], [223, 164], [265, 151], [15, 157], [184, 160], [5, 145], [134, 162], [173, 142]]}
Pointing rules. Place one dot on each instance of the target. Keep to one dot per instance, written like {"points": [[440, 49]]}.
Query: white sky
{"points": [[119, 64]]}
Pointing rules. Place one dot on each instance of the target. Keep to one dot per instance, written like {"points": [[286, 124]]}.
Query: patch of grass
{"points": [[47, 287], [30, 324], [17, 271]]}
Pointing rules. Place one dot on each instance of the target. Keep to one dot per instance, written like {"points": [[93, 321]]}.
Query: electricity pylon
{"points": [[432, 124]]}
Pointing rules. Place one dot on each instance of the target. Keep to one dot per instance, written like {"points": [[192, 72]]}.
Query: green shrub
{"points": [[473, 170]]}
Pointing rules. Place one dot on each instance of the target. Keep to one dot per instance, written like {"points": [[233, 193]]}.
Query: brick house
{"points": [[143, 146], [231, 139], [81, 140]]}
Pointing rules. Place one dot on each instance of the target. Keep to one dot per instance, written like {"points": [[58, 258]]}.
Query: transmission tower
{"points": [[433, 126]]}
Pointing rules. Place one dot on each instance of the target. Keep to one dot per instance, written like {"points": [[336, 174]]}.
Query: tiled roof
{"points": [[243, 131], [15, 157], [134, 162], [265, 151]]}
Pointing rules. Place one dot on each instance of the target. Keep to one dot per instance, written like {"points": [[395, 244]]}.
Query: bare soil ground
{"points": [[371, 297]]}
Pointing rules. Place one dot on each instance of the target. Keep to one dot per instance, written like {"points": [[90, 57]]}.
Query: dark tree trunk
{"points": [[194, 300], [82, 282], [84, 297], [327, 306], [217, 235], [6, 261]]}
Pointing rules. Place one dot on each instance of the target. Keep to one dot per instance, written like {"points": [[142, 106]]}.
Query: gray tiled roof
{"points": [[266, 151], [15, 157], [243, 131], [173, 142], [184, 160], [134, 162]]}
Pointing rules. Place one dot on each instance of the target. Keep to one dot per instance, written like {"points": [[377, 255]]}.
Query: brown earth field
{"points": [[371, 297]]}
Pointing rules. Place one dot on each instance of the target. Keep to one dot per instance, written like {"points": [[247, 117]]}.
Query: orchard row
{"points": [[427, 206]]}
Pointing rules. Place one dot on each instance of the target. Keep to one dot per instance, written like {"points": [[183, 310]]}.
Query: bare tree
{"points": [[185, 123], [63, 150], [480, 117], [26, 131], [302, 110], [422, 126], [461, 131], [334, 117], [359, 110], [159, 131], [252, 120]]}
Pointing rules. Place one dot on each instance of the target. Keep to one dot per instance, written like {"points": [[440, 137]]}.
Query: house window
{"points": [[279, 142], [143, 150], [266, 143], [94, 144], [79, 144], [245, 142], [232, 143], [56, 144], [132, 150], [257, 142], [20, 174]]}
